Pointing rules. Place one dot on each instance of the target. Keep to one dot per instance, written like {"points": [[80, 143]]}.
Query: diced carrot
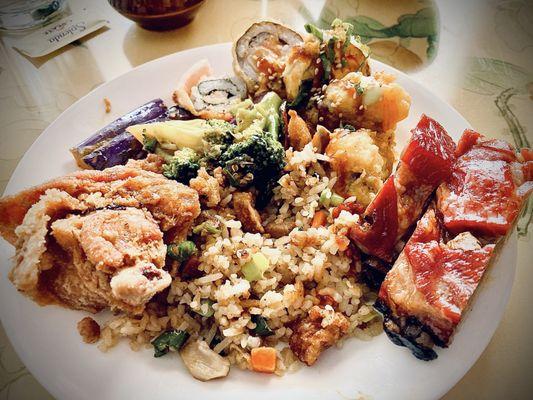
{"points": [[319, 219], [342, 241], [263, 359]]}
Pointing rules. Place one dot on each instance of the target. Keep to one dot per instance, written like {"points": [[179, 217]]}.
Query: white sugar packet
{"points": [[58, 33]]}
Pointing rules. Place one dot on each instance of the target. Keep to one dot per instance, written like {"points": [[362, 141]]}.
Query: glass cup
{"points": [[22, 15]]}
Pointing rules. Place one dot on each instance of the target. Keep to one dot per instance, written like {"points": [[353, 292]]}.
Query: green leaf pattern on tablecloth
{"points": [[422, 24], [513, 24]]}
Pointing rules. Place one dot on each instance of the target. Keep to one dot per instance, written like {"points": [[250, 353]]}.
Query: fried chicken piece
{"points": [[94, 239], [107, 258], [322, 328], [243, 205], [173, 205], [30, 239], [152, 163], [298, 132], [89, 330], [277, 229], [111, 238], [207, 187]]}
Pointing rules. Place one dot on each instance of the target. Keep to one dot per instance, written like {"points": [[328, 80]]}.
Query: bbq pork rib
{"points": [[424, 164], [487, 187], [425, 294]]}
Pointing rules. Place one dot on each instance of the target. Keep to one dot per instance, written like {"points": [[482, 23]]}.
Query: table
{"points": [[477, 55]]}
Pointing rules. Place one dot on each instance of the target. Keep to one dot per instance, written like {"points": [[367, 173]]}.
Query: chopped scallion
{"points": [[254, 269], [325, 198], [317, 32], [336, 200], [206, 308], [169, 340], [261, 326], [181, 252]]}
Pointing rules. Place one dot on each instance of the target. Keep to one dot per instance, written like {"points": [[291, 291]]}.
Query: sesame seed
{"points": [[270, 70], [321, 119], [316, 71], [339, 65], [318, 60], [361, 107]]}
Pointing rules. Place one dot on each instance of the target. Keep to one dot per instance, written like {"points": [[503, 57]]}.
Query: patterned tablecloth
{"points": [[477, 55]]}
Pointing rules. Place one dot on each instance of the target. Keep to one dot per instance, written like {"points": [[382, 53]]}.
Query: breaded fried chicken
{"points": [[94, 239]]}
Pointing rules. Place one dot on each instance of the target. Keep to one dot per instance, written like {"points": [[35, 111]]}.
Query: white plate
{"points": [[47, 341]]}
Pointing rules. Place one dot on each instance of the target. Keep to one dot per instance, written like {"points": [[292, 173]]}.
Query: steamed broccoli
{"points": [[250, 152], [214, 137], [240, 171], [256, 161], [258, 157], [182, 166], [217, 140]]}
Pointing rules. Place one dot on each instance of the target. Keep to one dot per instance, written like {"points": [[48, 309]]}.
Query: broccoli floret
{"points": [[182, 166], [258, 118], [240, 171], [149, 143], [258, 157], [216, 141], [256, 161], [221, 134]]}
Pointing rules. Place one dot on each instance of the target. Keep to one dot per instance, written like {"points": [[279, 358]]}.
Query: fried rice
{"points": [[305, 265]]}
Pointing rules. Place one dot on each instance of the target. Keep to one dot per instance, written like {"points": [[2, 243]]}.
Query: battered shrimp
{"points": [[374, 102], [360, 164]]}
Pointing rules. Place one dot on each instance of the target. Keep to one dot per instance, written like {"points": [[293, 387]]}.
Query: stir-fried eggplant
{"points": [[112, 145]]}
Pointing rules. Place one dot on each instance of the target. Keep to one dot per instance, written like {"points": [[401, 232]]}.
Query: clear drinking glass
{"points": [[21, 15]]}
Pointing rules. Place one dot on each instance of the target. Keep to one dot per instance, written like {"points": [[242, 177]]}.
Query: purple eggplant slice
{"points": [[112, 145]]}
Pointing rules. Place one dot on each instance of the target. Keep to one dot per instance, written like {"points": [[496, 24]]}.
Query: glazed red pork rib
{"points": [[487, 186], [425, 294], [424, 164]]}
